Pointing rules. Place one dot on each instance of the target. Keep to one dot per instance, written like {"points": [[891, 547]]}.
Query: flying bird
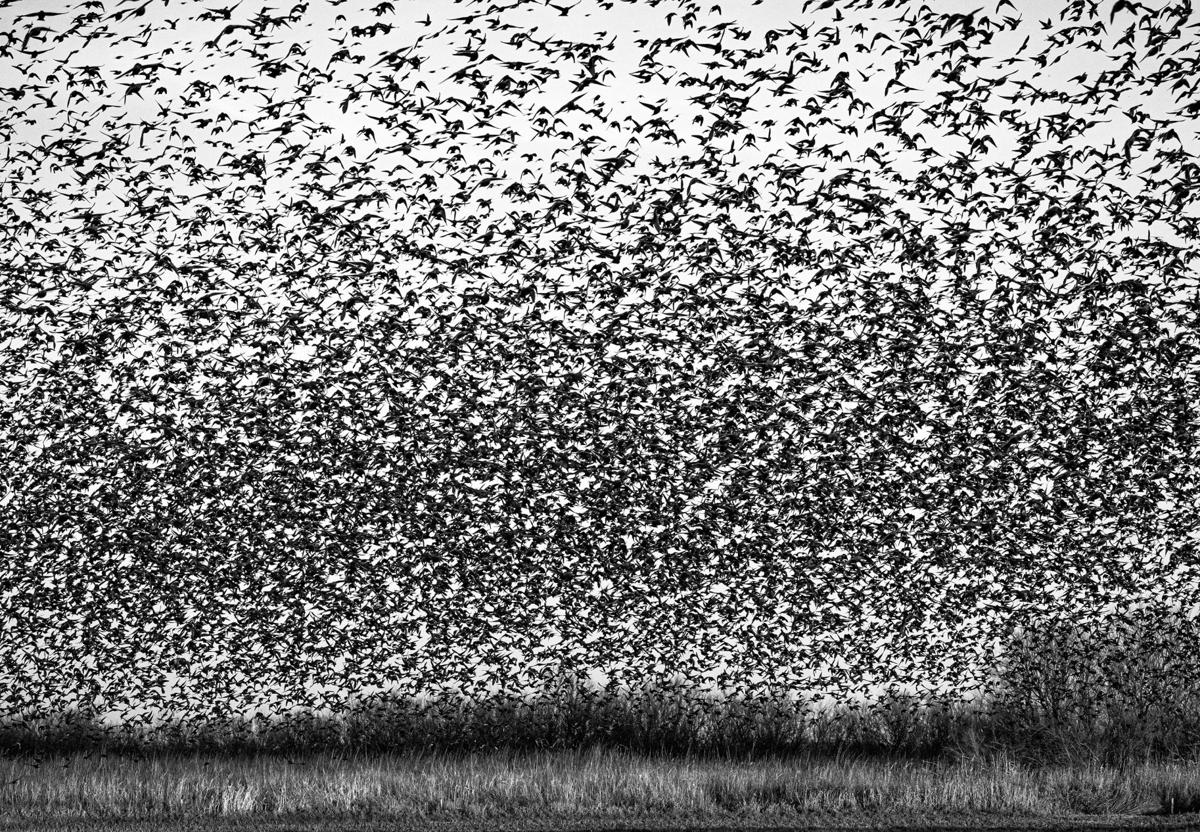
{"points": [[335, 346]]}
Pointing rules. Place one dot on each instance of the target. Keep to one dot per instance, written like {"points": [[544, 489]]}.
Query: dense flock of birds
{"points": [[810, 346]]}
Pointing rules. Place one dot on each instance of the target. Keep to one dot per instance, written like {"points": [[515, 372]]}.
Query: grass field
{"points": [[573, 763], [572, 785]]}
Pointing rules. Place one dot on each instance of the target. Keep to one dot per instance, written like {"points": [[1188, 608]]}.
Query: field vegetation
{"points": [[1052, 741], [580, 783]]}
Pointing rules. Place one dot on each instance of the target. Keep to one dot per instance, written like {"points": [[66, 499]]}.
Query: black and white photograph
{"points": [[579, 415]]}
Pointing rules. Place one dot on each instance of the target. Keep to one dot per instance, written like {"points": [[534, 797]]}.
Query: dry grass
{"points": [[591, 783]]}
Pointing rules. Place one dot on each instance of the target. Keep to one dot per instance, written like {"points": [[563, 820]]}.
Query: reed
{"points": [[593, 782]]}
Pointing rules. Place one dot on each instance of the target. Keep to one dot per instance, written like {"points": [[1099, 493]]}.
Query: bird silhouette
{"points": [[338, 342]]}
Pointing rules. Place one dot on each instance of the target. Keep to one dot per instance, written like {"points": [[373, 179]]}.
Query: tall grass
{"points": [[573, 784]]}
